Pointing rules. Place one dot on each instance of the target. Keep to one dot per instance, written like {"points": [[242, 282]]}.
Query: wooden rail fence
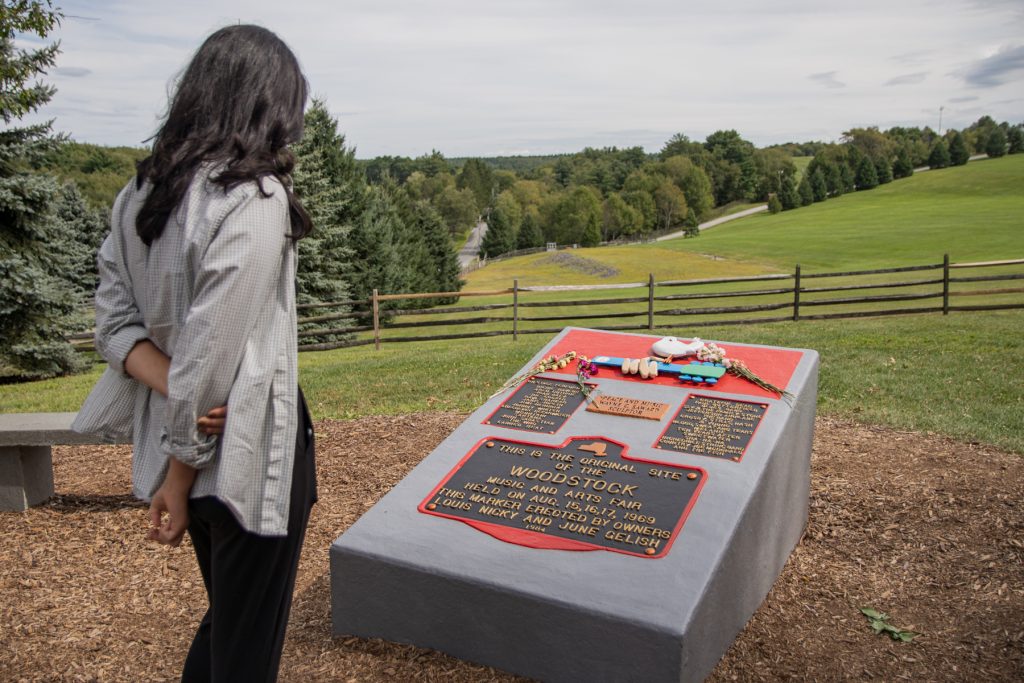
{"points": [[666, 305]]}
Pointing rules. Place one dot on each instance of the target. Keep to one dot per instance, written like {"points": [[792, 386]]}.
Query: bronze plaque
{"points": [[539, 405], [716, 427], [627, 407], [585, 494]]}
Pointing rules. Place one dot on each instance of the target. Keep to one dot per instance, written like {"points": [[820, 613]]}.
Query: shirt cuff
{"points": [[120, 344], [197, 455]]}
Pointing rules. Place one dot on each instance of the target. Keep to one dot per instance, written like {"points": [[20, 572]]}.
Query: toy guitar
{"points": [[695, 371]]}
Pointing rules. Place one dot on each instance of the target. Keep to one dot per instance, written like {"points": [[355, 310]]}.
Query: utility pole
{"points": [[940, 119]]}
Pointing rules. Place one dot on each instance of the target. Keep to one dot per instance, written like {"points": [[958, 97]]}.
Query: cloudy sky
{"points": [[480, 77]]}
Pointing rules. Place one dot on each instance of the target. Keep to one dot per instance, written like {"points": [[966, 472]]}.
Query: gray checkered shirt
{"points": [[216, 292]]}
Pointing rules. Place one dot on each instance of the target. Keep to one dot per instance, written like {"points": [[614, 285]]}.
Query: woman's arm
{"points": [[148, 364]]}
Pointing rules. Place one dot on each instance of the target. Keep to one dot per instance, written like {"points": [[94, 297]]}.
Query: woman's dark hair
{"points": [[238, 105]]}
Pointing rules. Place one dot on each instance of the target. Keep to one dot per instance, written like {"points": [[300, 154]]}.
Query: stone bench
{"points": [[26, 460]]}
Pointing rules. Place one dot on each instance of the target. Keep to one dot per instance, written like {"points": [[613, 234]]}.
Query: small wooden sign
{"points": [[628, 407]]}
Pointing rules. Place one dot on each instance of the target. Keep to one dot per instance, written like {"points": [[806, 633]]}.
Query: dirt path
{"points": [[919, 526]]}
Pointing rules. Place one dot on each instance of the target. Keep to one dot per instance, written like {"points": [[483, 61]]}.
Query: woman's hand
{"points": [[213, 421], [168, 513]]}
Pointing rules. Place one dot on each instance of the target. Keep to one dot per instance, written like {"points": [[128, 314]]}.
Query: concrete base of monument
{"points": [[405, 575]]}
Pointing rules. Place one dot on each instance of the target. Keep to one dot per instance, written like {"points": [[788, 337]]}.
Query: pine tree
{"points": [[500, 237], [958, 154], [903, 167], [444, 261], [939, 157], [995, 146], [883, 170], [818, 185], [530, 235], [847, 177], [774, 205], [38, 293], [375, 262], [88, 227], [789, 196], [1015, 139], [867, 177], [806, 191], [330, 187]]}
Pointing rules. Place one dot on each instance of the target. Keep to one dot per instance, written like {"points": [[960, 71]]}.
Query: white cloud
{"points": [[472, 78]]}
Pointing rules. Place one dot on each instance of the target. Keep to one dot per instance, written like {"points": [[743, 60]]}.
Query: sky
{"points": [[488, 78]]}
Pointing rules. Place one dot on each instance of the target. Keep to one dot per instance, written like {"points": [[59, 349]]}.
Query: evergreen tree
{"points": [[530, 235], [774, 205], [995, 146], [818, 185], [806, 191], [375, 262], [443, 258], [500, 237], [38, 292], [331, 189], [847, 177], [883, 170], [867, 177], [87, 226], [903, 167], [958, 154], [939, 157], [1015, 139], [790, 196]]}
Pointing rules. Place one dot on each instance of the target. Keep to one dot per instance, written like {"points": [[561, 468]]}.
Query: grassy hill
{"points": [[972, 212]]}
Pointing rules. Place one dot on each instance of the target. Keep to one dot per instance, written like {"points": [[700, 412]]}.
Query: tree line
{"points": [[602, 195]]}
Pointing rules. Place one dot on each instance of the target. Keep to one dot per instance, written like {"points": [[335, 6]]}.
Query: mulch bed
{"points": [[924, 528]]}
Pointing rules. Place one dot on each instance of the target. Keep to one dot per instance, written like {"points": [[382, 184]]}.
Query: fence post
{"points": [[945, 284], [650, 301], [376, 322], [515, 310], [796, 294]]}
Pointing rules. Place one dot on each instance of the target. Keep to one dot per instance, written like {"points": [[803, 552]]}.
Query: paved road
{"points": [[471, 250], [718, 221]]}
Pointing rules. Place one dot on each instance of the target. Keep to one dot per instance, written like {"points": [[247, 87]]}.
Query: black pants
{"points": [[249, 579]]}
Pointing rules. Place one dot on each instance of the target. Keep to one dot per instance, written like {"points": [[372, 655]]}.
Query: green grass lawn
{"points": [[957, 375]]}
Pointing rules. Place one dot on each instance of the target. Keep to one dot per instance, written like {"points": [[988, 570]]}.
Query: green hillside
{"points": [[972, 212]]}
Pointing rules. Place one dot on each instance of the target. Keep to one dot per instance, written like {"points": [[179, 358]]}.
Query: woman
{"points": [[197, 303]]}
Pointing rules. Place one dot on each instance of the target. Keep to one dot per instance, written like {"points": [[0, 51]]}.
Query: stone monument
{"points": [[624, 536]]}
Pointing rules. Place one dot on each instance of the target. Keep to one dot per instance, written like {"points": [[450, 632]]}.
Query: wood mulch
{"points": [[924, 528]]}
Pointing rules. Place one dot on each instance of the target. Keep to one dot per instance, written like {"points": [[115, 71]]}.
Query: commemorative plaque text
{"points": [[583, 491], [539, 405], [627, 407], [716, 427]]}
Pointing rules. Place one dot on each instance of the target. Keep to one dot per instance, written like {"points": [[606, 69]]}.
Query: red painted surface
{"points": [[774, 365]]}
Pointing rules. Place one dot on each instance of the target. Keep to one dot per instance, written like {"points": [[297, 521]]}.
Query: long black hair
{"points": [[238, 105]]}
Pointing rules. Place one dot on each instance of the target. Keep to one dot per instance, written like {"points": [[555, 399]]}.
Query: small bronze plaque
{"points": [[627, 407], [716, 427], [584, 494], [539, 405]]}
